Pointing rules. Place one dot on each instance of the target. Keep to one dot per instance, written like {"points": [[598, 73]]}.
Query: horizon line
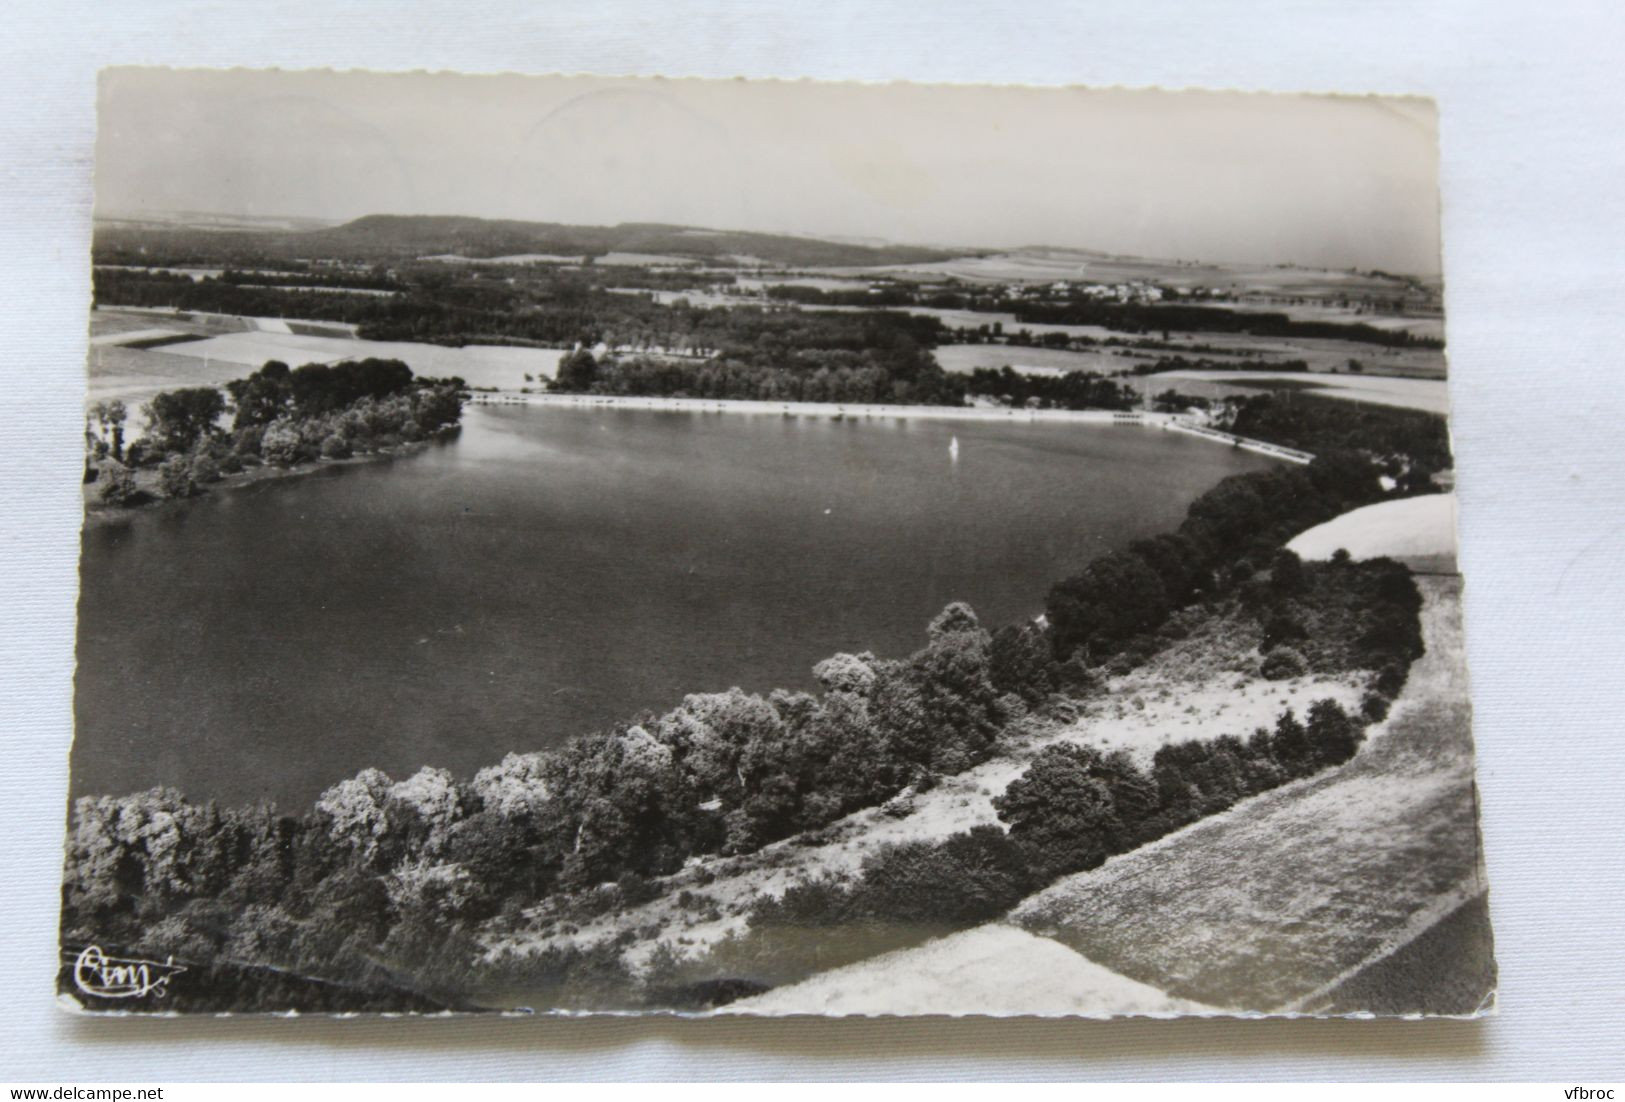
{"points": [[849, 239]]}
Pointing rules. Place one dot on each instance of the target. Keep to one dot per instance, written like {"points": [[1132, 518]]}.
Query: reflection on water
{"points": [[555, 570]]}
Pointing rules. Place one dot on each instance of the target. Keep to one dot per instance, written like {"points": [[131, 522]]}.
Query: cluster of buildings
{"points": [[1136, 291]]}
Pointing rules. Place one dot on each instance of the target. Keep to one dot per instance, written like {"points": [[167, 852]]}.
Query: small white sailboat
{"points": [[953, 449]]}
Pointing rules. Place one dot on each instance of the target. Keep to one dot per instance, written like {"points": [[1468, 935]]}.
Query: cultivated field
{"points": [[1044, 265], [481, 365], [123, 319], [975, 319], [107, 326], [1418, 531], [1286, 898], [140, 337], [134, 376], [1318, 353], [232, 347], [965, 358], [1429, 395], [1430, 326], [645, 260], [1448, 967], [1242, 349]]}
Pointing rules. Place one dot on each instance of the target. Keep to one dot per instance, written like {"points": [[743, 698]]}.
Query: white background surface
{"points": [[1533, 145]]}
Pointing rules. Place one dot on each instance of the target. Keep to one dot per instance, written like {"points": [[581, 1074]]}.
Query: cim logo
{"points": [[96, 973]]}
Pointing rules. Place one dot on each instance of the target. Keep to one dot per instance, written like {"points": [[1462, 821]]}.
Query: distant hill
{"points": [[203, 220], [387, 236]]}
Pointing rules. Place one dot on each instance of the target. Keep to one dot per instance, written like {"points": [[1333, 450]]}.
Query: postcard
{"points": [[573, 544]]}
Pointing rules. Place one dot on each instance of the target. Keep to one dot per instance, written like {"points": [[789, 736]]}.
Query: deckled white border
{"points": [[1533, 215]]}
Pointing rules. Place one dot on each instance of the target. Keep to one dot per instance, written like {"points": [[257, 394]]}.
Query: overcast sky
{"points": [[1192, 175]]}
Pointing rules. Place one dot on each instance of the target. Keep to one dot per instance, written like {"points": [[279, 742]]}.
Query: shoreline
{"points": [[833, 410], [99, 514], [840, 411]]}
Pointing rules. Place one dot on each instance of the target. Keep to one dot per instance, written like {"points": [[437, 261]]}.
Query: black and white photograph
{"points": [[582, 544]]}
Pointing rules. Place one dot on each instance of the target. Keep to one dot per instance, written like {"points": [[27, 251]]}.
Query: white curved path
{"points": [[994, 970], [1412, 528]]}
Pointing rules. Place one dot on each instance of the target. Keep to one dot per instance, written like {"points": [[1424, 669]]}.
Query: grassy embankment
{"points": [[1287, 901], [696, 930]]}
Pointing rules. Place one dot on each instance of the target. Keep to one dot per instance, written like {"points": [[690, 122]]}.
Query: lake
{"points": [[554, 570]]}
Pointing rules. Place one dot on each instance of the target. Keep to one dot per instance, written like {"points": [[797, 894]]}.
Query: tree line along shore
{"points": [[282, 419]]}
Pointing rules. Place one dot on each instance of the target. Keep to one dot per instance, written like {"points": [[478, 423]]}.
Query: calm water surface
{"points": [[555, 570]]}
